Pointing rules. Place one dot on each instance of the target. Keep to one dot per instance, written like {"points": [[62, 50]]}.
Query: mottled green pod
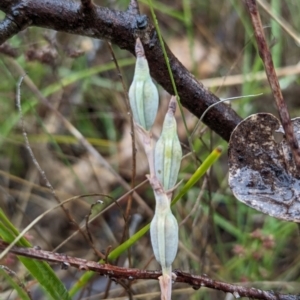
{"points": [[168, 153], [164, 232], [143, 94]]}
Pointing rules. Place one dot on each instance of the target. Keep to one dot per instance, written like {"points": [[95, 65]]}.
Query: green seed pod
{"points": [[143, 94], [168, 153], [164, 232]]}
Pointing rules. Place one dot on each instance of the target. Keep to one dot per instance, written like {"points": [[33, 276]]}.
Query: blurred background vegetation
{"points": [[218, 235]]}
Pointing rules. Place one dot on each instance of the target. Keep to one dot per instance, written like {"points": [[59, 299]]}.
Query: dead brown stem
{"points": [[266, 57], [133, 274]]}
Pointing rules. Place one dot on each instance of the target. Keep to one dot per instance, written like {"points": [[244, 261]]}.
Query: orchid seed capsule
{"points": [[168, 153], [143, 94], [164, 232]]}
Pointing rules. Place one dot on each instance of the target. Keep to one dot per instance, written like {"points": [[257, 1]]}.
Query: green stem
{"points": [[167, 62]]}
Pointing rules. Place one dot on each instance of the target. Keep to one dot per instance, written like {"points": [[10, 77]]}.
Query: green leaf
{"points": [[82, 74], [207, 163], [23, 294]]}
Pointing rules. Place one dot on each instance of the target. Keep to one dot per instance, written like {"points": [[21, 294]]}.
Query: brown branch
{"points": [[134, 274], [121, 29], [8, 28], [238, 291], [265, 54]]}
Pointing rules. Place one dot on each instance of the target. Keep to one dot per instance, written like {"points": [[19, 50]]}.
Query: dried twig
{"points": [[133, 274], [250, 77], [284, 24], [266, 57]]}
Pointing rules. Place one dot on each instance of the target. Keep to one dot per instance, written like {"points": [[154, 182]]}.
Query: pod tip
{"points": [[139, 49]]}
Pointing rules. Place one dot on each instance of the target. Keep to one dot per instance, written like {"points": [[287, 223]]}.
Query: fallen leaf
{"points": [[262, 173]]}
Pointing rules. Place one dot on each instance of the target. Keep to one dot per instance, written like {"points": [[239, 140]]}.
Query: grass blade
{"points": [[41, 271]]}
